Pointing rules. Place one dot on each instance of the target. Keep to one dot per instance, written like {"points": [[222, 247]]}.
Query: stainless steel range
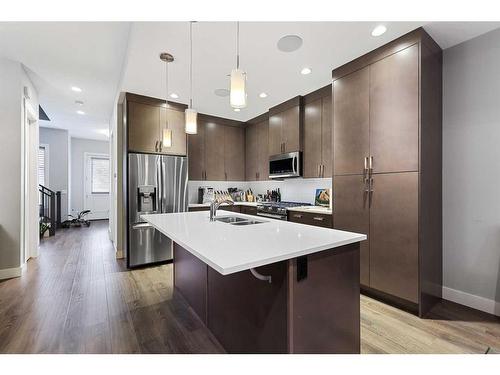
{"points": [[277, 210]]}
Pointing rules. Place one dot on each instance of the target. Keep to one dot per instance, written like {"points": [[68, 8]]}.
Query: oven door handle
{"points": [[294, 165]]}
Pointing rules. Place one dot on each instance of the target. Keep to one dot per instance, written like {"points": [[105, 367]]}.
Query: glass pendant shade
{"points": [[191, 126], [238, 95], [167, 138]]}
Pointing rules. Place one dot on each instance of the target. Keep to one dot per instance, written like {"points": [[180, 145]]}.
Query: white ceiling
{"points": [[58, 56], [105, 58]]}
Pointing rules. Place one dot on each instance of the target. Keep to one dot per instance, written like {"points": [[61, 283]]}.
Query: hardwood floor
{"points": [[77, 298]]}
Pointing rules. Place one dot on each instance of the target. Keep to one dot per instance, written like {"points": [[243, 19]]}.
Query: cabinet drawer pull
{"points": [[298, 216], [319, 218]]}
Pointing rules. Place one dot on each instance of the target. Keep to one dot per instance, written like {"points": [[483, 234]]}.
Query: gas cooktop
{"points": [[277, 210]]}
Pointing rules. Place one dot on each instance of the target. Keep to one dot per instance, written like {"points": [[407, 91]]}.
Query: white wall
{"points": [[471, 172], [79, 147], [59, 156], [13, 78], [293, 190]]}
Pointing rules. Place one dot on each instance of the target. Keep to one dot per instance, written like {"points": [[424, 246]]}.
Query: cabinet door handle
{"points": [[365, 169], [319, 170], [370, 192], [322, 170], [225, 175], [156, 146], [160, 144], [370, 165], [319, 218]]}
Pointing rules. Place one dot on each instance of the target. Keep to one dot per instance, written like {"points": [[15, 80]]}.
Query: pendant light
{"points": [[191, 116], [166, 140], [238, 95]]}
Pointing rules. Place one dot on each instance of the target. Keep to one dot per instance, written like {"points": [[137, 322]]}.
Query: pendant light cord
{"points": [[166, 97], [237, 44], [191, 65]]}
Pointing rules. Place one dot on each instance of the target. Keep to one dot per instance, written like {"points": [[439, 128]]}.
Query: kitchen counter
{"points": [[231, 248], [273, 287], [312, 209]]}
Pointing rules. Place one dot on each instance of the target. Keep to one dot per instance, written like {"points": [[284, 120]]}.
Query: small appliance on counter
{"points": [[205, 195]]}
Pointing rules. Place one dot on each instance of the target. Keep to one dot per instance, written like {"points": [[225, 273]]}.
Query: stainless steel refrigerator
{"points": [[156, 184]]}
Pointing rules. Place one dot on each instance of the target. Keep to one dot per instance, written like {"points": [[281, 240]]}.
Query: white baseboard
{"points": [[476, 302], [9, 273]]}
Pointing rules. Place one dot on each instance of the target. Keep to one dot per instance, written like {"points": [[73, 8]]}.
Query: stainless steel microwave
{"points": [[285, 165]]}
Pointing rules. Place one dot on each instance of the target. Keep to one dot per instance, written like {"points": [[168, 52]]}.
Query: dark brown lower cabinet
{"points": [[248, 210], [389, 216], [315, 313], [352, 214], [394, 235], [309, 218]]}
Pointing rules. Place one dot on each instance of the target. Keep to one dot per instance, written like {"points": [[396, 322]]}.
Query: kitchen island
{"points": [[267, 286]]}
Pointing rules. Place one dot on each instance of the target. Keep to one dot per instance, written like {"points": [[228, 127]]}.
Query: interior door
{"points": [[251, 152], [351, 122], [196, 153], [214, 152], [97, 185], [312, 139], [352, 213], [394, 234], [143, 127], [234, 153], [394, 112], [275, 140]]}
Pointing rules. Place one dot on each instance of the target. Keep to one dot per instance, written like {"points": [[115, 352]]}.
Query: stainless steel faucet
{"points": [[215, 205]]}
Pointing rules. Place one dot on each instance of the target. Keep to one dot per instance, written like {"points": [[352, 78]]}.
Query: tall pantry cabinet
{"points": [[387, 160]]}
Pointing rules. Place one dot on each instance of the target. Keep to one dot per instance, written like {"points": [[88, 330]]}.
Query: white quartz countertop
{"points": [[312, 209], [231, 248], [252, 204]]}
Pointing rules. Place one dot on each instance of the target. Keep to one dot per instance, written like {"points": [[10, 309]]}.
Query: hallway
{"points": [[77, 298]]}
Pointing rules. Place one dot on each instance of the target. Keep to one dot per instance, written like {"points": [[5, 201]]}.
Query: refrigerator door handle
{"points": [[159, 185]]}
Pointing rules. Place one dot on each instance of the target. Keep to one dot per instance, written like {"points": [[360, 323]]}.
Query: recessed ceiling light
{"points": [[263, 95], [289, 43], [237, 109], [76, 89], [221, 92], [78, 102], [379, 30], [306, 71], [80, 112], [174, 95]]}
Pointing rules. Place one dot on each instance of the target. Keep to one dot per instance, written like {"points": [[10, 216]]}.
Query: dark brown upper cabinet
{"points": [[387, 166], [143, 127], [217, 152], [317, 157], [351, 132], [214, 152], [146, 120], [234, 153], [196, 153], [257, 154], [394, 107], [285, 127]]}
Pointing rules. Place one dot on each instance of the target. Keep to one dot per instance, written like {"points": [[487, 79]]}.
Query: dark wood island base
{"points": [[311, 305]]}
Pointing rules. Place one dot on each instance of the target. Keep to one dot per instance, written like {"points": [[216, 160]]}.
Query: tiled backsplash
{"points": [[294, 190]]}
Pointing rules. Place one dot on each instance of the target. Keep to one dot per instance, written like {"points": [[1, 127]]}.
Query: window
{"points": [[42, 165], [99, 175]]}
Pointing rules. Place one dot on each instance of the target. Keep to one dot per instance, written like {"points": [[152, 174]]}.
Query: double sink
{"points": [[237, 220]]}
